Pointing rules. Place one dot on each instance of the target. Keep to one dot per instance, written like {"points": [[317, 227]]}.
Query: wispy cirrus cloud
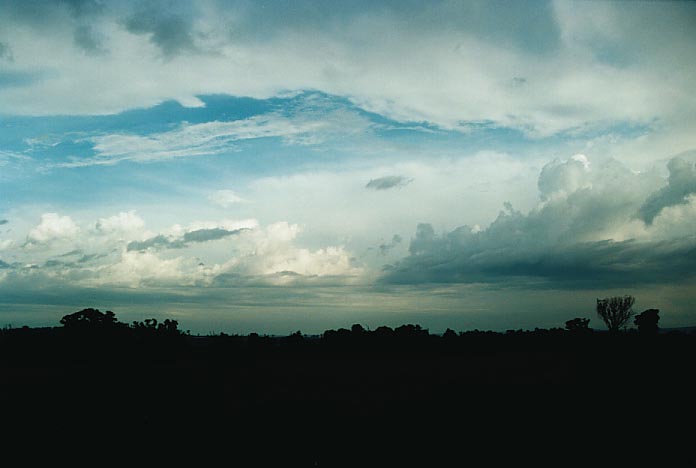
{"points": [[304, 127]]}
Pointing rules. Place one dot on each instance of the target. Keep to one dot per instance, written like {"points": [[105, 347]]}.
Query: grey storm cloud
{"points": [[5, 52], [3, 221], [170, 31], [200, 235], [387, 182], [464, 257], [387, 246], [561, 243], [88, 40], [681, 184], [82, 8], [19, 78], [49, 13]]}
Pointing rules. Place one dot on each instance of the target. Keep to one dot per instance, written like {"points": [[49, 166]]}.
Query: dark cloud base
{"points": [[548, 243], [581, 266]]}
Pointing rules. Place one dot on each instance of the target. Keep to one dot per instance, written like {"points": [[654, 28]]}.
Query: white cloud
{"points": [[306, 128], [191, 102], [226, 198], [141, 269], [272, 251], [117, 251], [53, 227], [336, 208], [125, 222]]}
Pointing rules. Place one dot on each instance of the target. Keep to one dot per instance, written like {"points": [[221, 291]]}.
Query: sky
{"points": [[272, 166]]}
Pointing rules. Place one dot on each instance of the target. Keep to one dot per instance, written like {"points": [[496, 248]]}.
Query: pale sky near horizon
{"points": [[272, 166]]}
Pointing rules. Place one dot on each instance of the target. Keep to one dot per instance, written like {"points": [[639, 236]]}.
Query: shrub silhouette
{"points": [[89, 319], [578, 325], [647, 320]]}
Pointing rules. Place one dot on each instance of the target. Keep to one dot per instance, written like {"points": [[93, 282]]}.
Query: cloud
{"points": [[575, 68], [5, 52], [581, 234], [225, 198], [387, 182], [89, 40], [386, 247], [18, 79], [98, 258], [200, 235], [170, 31], [205, 235], [122, 223], [158, 241], [53, 227], [3, 221], [310, 128], [145, 269], [270, 256], [560, 178], [681, 184]]}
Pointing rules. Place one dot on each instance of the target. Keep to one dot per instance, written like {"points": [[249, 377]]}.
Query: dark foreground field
{"points": [[350, 399]]}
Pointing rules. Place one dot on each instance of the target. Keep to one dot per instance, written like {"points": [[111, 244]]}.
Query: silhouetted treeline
{"points": [[92, 335], [330, 399]]}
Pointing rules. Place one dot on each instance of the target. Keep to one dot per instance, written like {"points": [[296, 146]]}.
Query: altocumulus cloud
{"points": [[583, 233]]}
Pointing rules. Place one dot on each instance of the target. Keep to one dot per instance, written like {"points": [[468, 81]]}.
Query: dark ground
{"points": [[478, 399]]}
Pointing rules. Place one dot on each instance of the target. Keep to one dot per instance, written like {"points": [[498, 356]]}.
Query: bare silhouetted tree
{"points": [[615, 311]]}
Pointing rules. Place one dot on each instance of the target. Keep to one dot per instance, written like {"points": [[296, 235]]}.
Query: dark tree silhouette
{"points": [[150, 327], [647, 320], [578, 325], [89, 318], [615, 311], [410, 331], [357, 329]]}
